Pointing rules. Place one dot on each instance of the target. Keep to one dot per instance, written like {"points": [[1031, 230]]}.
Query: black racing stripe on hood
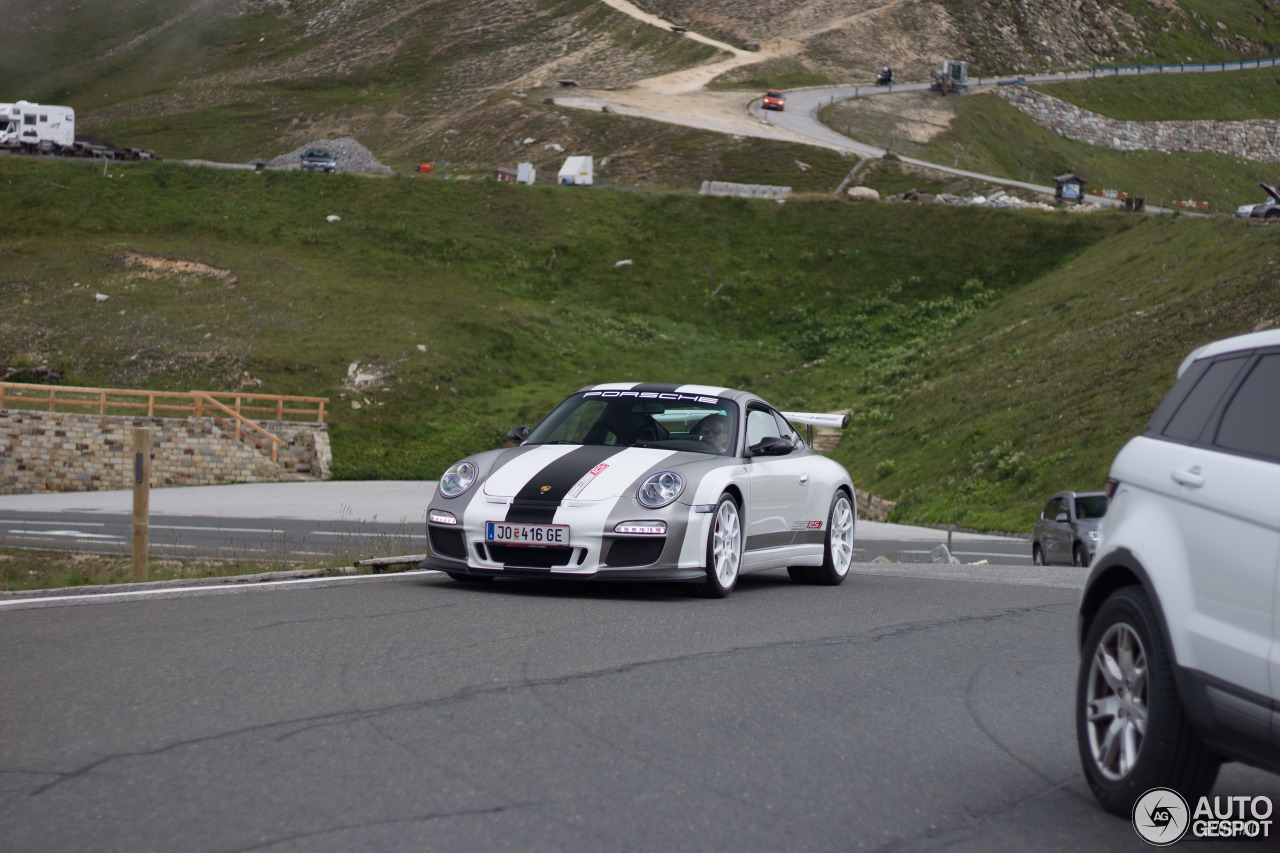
{"points": [[538, 499]]}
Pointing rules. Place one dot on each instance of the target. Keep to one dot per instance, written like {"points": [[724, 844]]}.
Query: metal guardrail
{"points": [[1183, 67]]}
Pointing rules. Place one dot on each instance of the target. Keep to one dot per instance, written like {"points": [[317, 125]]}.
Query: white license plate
{"points": [[526, 534]]}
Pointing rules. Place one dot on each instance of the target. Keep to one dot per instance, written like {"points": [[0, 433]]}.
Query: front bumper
{"points": [[594, 548], [648, 573]]}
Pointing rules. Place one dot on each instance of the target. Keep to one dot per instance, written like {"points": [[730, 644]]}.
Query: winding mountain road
{"points": [[681, 98]]}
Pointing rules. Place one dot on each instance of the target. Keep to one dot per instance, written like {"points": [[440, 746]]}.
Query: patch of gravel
{"points": [[351, 156]]}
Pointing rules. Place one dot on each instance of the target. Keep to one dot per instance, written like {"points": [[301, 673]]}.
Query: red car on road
{"points": [[774, 100]]}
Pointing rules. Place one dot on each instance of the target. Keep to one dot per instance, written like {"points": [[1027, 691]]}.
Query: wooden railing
{"points": [[172, 404], [272, 442], [180, 404]]}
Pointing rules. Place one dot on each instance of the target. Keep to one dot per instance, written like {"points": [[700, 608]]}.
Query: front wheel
{"points": [[1131, 731], [724, 550], [1079, 556], [1037, 555]]}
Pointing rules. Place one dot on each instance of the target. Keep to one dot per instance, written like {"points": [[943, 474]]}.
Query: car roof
{"points": [[1240, 343]]}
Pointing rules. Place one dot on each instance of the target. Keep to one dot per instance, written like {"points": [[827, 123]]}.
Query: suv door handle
{"points": [[1191, 478], [804, 479]]}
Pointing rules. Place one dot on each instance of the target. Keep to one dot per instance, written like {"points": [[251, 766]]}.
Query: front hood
{"points": [[559, 472]]}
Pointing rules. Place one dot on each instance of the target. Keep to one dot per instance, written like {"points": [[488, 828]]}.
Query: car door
{"points": [[779, 486], [1220, 470], [1057, 534]]}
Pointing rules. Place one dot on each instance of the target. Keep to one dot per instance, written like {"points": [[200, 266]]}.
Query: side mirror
{"points": [[771, 445], [1062, 516], [517, 435]]}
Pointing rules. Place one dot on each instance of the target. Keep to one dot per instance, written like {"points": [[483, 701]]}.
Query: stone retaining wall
{"points": [[1255, 140], [59, 452]]}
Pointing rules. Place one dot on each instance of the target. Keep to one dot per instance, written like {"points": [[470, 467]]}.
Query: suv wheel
{"points": [[1130, 727], [1079, 556], [1037, 555]]}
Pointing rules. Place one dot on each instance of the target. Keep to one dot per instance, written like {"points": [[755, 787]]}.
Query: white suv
{"points": [[1179, 626]]}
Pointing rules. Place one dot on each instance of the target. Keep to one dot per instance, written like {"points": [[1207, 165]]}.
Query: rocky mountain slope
{"points": [[205, 78]]}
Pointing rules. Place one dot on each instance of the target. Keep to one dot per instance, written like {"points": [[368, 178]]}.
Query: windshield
{"points": [[773, 95], [674, 421], [316, 154], [1091, 506]]}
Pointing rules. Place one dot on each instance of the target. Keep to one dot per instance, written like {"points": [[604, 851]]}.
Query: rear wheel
{"points": [[837, 554], [1131, 731], [724, 550]]}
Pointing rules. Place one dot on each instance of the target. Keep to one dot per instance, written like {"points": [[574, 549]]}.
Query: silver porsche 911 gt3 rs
{"points": [[649, 482]]}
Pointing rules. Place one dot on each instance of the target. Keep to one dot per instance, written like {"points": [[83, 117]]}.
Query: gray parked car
{"points": [[1269, 209], [319, 159], [1067, 530]]}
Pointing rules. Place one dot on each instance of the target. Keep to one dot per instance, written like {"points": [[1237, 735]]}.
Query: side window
{"points": [[760, 423], [1251, 422], [1050, 510], [1189, 421], [787, 431]]}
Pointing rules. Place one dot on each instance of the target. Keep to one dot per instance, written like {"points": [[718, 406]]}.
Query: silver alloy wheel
{"points": [[841, 536], [1037, 556], [726, 547], [1117, 701]]}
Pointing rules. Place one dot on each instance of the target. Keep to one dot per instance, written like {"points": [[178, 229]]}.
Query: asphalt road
{"points": [[912, 708], [305, 521]]}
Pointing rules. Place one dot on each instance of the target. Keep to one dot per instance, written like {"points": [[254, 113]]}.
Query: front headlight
{"points": [[660, 489], [458, 478]]}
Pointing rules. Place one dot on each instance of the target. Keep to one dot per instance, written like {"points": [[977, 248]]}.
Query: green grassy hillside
{"points": [[1040, 391], [480, 304]]}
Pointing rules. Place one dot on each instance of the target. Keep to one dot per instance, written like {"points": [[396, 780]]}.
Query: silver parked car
{"points": [[1067, 530], [648, 482], [1269, 209], [319, 160]]}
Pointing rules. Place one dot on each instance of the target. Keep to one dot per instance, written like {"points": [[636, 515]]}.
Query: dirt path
{"points": [[680, 97]]}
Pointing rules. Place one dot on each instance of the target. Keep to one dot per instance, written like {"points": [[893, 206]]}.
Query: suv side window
{"points": [[1251, 422], [1189, 421]]}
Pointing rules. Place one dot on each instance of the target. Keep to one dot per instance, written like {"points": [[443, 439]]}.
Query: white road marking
{"points": [[214, 589], [24, 521], [74, 534], [216, 529]]}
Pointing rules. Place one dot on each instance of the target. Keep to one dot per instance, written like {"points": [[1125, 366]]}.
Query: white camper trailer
{"points": [[578, 171], [37, 127]]}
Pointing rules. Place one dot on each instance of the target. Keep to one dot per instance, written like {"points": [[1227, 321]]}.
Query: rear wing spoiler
{"points": [[818, 419]]}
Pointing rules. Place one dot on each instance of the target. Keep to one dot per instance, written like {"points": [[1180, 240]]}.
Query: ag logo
{"points": [[1161, 817]]}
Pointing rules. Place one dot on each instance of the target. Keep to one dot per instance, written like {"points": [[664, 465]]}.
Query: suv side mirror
{"points": [[771, 445], [1062, 516], [517, 435]]}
